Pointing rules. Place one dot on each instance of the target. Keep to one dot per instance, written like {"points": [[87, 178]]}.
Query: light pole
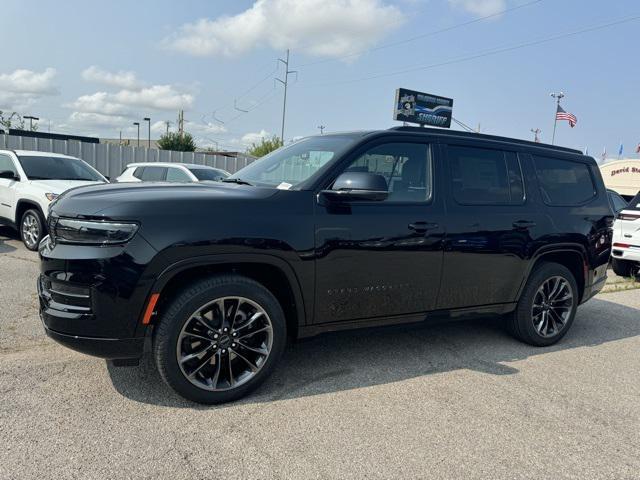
{"points": [[321, 128], [557, 96], [137, 124], [31, 119], [148, 120]]}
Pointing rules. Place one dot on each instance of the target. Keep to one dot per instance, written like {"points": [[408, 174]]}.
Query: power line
{"points": [[486, 53], [424, 35]]}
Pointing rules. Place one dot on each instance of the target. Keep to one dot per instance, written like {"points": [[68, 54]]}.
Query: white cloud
{"points": [[119, 79], [97, 120], [29, 82], [480, 8], [99, 102], [254, 137], [319, 27], [158, 97]]}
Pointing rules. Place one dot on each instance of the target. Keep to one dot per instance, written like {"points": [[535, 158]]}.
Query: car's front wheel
{"points": [[32, 229], [547, 306], [219, 339]]}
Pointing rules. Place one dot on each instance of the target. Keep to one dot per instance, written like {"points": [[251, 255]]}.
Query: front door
{"points": [[7, 189], [382, 258]]}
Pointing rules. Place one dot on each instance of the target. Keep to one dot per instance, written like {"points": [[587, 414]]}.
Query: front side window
{"points": [[177, 175], [563, 182], [482, 176], [39, 167], [406, 168], [293, 164], [203, 174]]}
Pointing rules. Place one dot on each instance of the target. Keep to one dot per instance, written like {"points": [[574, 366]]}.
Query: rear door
{"points": [[492, 223], [153, 174]]}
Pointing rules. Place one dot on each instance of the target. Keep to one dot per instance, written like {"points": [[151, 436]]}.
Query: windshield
{"points": [[293, 164], [57, 168], [209, 173]]}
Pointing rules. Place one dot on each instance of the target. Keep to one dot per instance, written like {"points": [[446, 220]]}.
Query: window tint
{"points": [[177, 175], [406, 167], [154, 174], [6, 164], [209, 173], [481, 176], [138, 172], [563, 182], [41, 167]]}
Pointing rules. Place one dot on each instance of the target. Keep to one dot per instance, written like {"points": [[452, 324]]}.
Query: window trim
{"points": [[504, 151], [356, 153], [585, 164]]}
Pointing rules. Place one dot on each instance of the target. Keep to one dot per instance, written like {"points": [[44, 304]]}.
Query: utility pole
{"points": [[285, 83], [31, 119], [120, 141], [557, 96], [321, 128], [536, 132], [181, 123], [167, 122], [137, 124]]}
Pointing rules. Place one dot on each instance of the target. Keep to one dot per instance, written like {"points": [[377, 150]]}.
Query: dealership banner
{"points": [[422, 108]]}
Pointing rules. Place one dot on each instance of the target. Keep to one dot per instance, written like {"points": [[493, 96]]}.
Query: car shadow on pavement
{"points": [[6, 233], [363, 358]]}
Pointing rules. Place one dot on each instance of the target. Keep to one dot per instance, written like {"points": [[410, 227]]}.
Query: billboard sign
{"points": [[422, 108]]}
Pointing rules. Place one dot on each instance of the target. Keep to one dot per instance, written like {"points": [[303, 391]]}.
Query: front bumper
{"points": [[109, 348]]}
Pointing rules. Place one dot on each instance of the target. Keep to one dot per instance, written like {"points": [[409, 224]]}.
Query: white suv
{"points": [[171, 172], [625, 254], [30, 181]]}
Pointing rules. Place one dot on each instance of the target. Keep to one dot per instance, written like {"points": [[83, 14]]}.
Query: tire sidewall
{"points": [[525, 304], [185, 304], [38, 216]]}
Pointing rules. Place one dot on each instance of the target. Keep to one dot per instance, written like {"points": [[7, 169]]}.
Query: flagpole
{"points": [[557, 96]]}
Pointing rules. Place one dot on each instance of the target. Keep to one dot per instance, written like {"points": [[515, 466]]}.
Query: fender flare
{"points": [[235, 258]]}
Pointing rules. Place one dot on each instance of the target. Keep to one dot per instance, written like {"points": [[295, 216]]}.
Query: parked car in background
{"points": [[625, 255], [30, 181], [328, 233], [618, 203], [171, 172]]}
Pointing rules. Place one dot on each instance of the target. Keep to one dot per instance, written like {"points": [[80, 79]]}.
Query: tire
{"points": [[32, 229], [181, 337], [623, 268], [527, 322]]}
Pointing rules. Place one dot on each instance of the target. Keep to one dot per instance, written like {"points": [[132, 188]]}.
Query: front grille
{"points": [[64, 296]]}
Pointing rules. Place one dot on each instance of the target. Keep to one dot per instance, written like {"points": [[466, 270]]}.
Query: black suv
{"points": [[331, 232]]}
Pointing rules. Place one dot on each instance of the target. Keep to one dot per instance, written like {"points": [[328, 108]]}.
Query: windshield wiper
{"points": [[239, 181]]}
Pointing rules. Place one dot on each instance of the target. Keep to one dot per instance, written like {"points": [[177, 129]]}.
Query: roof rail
{"points": [[458, 133]]}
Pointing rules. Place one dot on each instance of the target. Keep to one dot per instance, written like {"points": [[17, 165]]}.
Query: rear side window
{"points": [[176, 175], [151, 174], [563, 182], [481, 176]]}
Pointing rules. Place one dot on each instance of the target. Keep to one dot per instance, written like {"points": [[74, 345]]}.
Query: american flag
{"points": [[569, 117]]}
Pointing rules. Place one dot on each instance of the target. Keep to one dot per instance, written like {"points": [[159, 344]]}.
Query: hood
{"points": [[60, 186], [136, 200]]}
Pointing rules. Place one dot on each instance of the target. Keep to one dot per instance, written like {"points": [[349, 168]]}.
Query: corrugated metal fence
{"points": [[111, 160]]}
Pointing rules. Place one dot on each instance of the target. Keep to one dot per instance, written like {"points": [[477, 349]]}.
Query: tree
{"points": [[7, 120], [177, 142], [266, 145]]}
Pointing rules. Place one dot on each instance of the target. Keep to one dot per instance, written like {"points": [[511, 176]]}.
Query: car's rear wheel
{"points": [[219, 339], [32, 229], [623, 268], [547, 306]]}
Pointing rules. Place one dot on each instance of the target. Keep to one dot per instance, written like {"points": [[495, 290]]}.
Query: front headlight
{"points": [[94, 232], [51, 196]]}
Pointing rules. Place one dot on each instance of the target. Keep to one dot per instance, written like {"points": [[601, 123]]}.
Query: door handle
{"points": [[524, 224], [422, 227]]}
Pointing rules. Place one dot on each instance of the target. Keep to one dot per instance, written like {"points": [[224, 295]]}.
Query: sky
{"points": [[94, 68]]}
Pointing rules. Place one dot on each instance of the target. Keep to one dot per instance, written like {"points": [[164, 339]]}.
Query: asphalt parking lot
{"points": [[460, 400]]}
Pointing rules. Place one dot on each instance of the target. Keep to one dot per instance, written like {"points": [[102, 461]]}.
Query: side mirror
{"points": [[357, 187], [10, 175]]}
